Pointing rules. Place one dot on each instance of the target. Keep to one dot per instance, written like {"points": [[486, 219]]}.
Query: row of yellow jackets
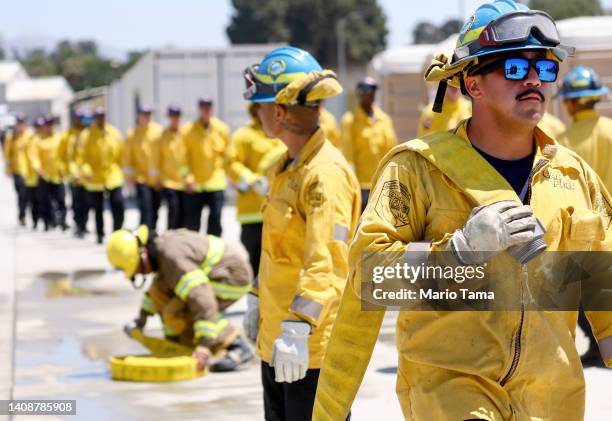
{"points": [[190, 156], [33, 155], [90, 156]]}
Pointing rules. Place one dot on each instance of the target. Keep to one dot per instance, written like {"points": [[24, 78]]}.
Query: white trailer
{"points": [[181, 76]]}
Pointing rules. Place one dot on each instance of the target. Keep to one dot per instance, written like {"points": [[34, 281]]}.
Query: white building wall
{"points": [[182, 76]]}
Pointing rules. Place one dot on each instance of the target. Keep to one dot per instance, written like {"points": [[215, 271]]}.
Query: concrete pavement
{"points": [[70, 307]]}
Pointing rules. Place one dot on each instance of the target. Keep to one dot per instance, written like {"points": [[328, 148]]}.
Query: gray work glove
{"points": [[130, 327], [250, 323], [138, 323], [491, 229], [261, 186]]}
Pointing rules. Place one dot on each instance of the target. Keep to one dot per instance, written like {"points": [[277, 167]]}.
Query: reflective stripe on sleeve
{"points": [[250, 218], [341, 233], [189, 281], [216, 248], [605, 347], [306, 306]]}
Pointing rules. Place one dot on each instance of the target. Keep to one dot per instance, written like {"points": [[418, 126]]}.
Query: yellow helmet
{"points": [[122, 249]]}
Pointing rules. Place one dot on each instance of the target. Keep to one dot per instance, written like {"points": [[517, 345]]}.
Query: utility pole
{"points": [[341, 52]]}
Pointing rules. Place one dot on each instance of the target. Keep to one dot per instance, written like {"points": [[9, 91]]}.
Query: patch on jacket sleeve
{"points": [[315, 195], [393, 203]]}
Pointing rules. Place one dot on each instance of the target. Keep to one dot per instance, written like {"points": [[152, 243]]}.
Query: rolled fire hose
{"points": [[168, 362]]}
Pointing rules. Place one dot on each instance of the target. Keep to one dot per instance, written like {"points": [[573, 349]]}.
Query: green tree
{"points": [[78, 62], [563, 9], [258, 22], [36, 62], [311, 24], [428, 33]]}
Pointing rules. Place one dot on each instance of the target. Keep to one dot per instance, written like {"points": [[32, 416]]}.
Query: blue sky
{"points": [[139, 24]]}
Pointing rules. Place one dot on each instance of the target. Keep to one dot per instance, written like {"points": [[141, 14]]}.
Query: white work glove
{"points": [[243, 186], [261, 186], [491, 229], [250, 323], [290, 352]]}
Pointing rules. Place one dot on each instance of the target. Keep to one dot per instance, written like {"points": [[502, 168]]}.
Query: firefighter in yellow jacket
{"points": [[100, 161], [367, 135], [455, 109], [477, 193], [551, 125], [138, 165], [206, 141], [170, 167], [17, 166], [69, 151], [329, 125], [590, 136], [309, 216], [46, 160], [197, 277], [245, 164]]}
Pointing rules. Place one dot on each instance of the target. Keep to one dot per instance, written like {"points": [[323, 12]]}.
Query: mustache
{"points": [[530, 91]]}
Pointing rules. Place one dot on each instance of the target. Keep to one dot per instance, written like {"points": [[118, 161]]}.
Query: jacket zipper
{"points": [[517, 342]]}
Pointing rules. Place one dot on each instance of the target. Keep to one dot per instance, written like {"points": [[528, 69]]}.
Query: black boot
{"points": [[592, 358], [238, 353]]}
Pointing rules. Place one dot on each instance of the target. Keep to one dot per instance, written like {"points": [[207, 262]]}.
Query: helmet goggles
{"points": [[512, 28], [254, 86], [517, 68]]}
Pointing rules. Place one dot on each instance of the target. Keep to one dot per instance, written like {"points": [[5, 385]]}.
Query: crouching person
{"points": [[196, 278]]}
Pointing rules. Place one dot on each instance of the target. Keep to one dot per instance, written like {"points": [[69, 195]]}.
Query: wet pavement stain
{"points": [[61, 352], [62, 284]]}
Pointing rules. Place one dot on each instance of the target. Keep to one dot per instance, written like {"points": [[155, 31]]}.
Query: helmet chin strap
{"points": [[440, 93]]}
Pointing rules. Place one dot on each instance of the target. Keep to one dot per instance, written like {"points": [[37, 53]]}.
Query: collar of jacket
{"points": [[546, 149], [211, 124], [361, 114], [585, 115], [311, 147]]}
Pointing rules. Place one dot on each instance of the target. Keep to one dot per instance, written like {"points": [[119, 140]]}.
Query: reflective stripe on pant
{"points": [[196, 202], [52, 200], [250, 236], [148, 205], [175, 202], [117, 208]]}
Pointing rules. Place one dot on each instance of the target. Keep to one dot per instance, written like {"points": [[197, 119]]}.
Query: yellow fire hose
{"points": [[168, 362]]}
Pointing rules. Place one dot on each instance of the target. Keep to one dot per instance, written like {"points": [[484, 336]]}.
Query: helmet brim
{"points": [[580, 94]]}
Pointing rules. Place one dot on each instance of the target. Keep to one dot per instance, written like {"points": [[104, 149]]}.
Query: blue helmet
{"points": [[504, 26], [582, 82], [279, 68]]}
